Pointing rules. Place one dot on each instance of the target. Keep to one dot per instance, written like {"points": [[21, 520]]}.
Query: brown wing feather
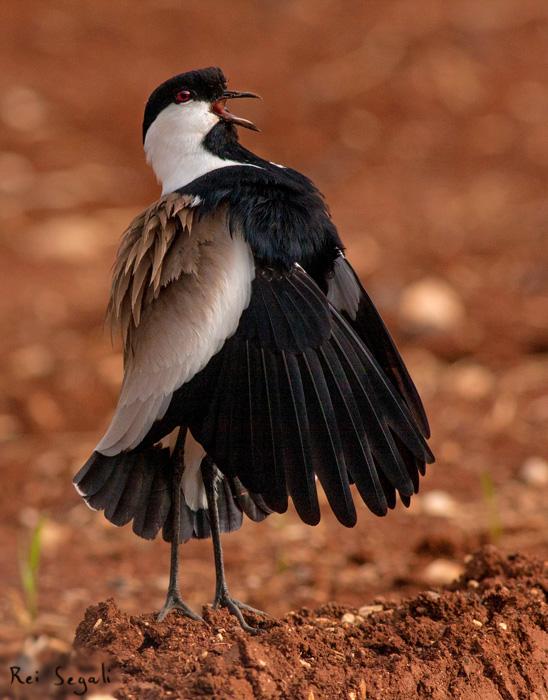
{"points": [[156, 248]]}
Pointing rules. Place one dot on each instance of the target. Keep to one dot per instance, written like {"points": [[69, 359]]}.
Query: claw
{"points": [[225, 600], [175, 602]]}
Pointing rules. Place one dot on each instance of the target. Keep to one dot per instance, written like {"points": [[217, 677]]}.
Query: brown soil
{"points": [[485, 636], [424, 123]]}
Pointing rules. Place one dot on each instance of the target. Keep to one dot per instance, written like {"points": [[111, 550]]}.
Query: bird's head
{"points": [[181, 113], [196, 101]]}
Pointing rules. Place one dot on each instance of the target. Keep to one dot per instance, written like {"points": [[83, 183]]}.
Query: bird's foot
{"points": [[175, 602], [223, 599]]}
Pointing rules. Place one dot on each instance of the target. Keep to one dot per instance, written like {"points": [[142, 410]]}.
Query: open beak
{"points": [[219, 108]]}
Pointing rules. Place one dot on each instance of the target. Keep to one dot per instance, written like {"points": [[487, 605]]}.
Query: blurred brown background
{"points": [[425, 123]]}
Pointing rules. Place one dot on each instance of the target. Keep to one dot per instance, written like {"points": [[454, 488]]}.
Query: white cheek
{"points": [[174, 145], [179, 125], [192, 117]]}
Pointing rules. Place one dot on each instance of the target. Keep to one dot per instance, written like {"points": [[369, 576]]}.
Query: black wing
{"points": [[299, 394], [348, 296]]}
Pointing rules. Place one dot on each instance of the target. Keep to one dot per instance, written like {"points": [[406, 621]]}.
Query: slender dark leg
{"points": [[174, 600], [222, 597]]}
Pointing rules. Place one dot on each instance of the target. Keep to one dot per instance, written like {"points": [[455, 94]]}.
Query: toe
{"points": [[175, 603]]}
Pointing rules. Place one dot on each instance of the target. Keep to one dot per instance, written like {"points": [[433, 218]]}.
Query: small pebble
{"points": [[442, 571], [322, 621], [439, 504], [534, 471], [503, 626], [367, 610], [470, 381], [349, 617], [430, 304], [477, 623]]}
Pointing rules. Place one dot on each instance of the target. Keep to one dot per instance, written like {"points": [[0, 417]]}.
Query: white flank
{"points": [[192, 482], [174, 145]]}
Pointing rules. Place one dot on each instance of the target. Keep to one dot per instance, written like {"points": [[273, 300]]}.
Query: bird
{"points": [[255, 363]]}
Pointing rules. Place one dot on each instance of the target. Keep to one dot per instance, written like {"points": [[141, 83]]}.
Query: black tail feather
{"points": [[125, 508], [137, 485], [159, 500], [139, 521], [94, 474], [253, 505]]}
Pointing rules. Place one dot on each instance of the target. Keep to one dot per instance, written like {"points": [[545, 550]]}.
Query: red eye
{"points": [[183, 96]]}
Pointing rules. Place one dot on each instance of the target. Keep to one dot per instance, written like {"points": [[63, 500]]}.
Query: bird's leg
{"points": [[174, 600], [222, 597]]}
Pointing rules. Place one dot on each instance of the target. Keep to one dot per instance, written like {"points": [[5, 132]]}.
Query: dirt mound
{"points": [[483, 637]]}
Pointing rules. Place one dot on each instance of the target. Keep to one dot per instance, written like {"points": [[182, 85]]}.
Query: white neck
{"points": [[174, 145]]}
